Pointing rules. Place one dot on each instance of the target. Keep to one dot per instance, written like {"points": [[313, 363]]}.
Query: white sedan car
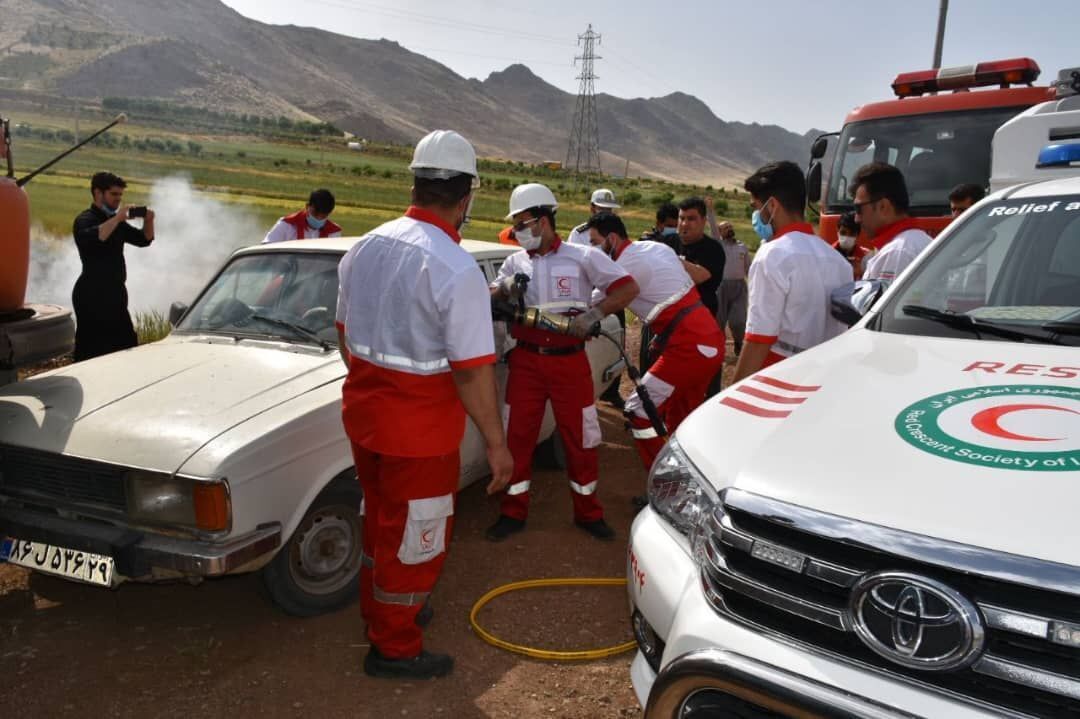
{"points": [[217, 450]]}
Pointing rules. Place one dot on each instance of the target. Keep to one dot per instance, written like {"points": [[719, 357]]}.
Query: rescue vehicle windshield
{"points": [[283, 295], [936, 152], [1010, 271]]}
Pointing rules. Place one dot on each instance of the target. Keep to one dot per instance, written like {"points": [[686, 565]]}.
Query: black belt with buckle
{"points": [[529, 347]]}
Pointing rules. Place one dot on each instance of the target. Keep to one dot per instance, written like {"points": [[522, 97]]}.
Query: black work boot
{"points": [[504, 528], [597, 528], [425, 615], [425, 665], [612, 396]]}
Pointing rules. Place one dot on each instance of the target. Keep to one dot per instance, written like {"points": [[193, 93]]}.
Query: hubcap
{"points": [[325, 551]]}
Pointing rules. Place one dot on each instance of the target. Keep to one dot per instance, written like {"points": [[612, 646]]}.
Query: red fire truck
{"points": [[938, 131]]}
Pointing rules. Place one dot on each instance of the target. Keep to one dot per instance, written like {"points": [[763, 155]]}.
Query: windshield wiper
{"points": [[967, 322], [302, 331], [1063, 328]]}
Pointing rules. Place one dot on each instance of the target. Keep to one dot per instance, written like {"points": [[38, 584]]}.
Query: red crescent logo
{"points": [[987, 421], [428, 537]]}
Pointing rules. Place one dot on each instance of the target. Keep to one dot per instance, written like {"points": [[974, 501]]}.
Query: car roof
{"points": [[477, 248], [1044, 188]]}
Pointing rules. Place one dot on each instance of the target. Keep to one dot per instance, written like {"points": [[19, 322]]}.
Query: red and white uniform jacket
{"points": [[296, 227], [897, 245], [665, 287], [561, 282], [791, 279], [414, 306]]}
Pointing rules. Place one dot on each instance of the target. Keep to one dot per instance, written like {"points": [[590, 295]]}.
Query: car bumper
{"points": [[141, 554], [706, 651]]}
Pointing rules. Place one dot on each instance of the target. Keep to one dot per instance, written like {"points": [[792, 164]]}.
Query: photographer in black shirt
{"points": [[100, 298]]}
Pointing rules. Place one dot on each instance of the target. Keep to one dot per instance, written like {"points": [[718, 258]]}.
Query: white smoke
{"points": [[193, 234]]}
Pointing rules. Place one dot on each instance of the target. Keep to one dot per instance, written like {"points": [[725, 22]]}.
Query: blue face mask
{"points": [[315, 224], [763, 229], [108, 210], [669, 231]]}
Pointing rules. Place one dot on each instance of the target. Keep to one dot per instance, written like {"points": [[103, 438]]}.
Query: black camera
{"points": [[137, 211]]}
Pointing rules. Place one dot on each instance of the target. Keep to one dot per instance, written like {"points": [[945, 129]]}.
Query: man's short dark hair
{"points": [[783, 180], [883, 181], [607, 223], [666, 211], [441, 193], [967, 191], [105, 181], [693, 203], [847, 222], [322, 201]]}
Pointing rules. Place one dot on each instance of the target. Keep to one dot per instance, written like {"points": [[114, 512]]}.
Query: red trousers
{"points": [[408, 517], [677, 383], [565, 380]]}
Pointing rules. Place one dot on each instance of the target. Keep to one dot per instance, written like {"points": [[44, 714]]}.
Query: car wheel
{"points": [[317, 571]]}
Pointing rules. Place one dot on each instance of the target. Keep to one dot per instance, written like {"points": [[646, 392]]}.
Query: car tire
{"points": [[318, 570], [550, 454]]}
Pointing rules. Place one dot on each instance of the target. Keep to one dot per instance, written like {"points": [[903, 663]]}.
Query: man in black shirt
{"points": [[702, 256], [102, 322]]}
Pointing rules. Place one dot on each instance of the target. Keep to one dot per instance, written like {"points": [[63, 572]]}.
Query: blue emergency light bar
{"points": [[1059, 155]]}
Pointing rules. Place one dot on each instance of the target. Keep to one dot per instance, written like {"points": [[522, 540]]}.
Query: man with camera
{"points": [[100, 298]]}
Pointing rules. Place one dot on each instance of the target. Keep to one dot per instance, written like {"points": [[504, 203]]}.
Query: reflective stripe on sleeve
{"points": [[411, 599], [583, 489], [518, 488]]}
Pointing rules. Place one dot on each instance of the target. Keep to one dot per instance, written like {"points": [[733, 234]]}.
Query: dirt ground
{"points": [[222, 649]]}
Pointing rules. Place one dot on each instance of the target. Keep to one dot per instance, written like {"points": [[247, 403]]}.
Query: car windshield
{"points": [[1013, 264], [935, 152], [262, 294]]}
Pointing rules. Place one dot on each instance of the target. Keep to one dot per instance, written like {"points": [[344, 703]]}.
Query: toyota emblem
{"points": [[916, 622]]}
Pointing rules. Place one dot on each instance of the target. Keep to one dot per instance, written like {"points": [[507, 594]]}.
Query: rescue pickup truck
{"points": [[886, 525], [218, 450]]}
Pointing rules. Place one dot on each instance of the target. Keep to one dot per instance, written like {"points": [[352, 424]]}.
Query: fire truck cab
{"points": [[938, 132]]}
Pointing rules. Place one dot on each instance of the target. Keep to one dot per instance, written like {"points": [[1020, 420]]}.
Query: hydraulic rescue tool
{"points": [[534, 317]]}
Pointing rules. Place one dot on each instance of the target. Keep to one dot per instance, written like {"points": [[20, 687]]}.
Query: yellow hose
{"points": [[547, 654]]}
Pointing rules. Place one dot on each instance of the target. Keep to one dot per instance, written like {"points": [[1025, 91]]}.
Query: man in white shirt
{"points": [[547, 366], [603, 200], [312, 221], [792, 276], [880, 197]]}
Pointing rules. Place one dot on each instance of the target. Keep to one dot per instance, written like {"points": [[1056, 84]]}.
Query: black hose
{"points": [[641, 390]]}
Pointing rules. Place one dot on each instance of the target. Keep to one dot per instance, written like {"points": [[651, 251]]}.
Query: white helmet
{"points": [[443, 154], [604, 198], [531, 195]]}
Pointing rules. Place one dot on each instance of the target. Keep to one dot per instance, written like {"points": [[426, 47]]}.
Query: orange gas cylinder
{"points": [[14, 244]]}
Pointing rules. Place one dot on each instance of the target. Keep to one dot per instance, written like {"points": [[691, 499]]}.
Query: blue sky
{"points": [[796, 63]]}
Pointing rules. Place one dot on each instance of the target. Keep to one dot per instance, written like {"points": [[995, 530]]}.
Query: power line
{"points": [[437, 21], [583, 149], [488, 57]]}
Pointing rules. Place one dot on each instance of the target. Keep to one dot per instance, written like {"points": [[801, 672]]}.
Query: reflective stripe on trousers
{"points": [[412, 599]]}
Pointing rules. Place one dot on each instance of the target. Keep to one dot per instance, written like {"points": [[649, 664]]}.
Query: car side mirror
{"points": [[820, 146], [177, 310], [813, 182], [849, 303]]}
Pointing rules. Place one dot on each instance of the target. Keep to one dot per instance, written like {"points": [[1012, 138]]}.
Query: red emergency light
{"points": [[999, 72]]}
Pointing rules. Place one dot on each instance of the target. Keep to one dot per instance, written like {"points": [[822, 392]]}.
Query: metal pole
{"points": [[943, 10]]}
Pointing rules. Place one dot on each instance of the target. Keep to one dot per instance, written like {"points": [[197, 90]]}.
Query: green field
{"points": [[269, 178]]}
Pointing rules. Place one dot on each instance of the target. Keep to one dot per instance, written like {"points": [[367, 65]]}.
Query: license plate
{"points": [[59, 561]]}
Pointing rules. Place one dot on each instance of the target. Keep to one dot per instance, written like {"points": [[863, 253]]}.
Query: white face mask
{"points": [[846, 242], [529, 241]]}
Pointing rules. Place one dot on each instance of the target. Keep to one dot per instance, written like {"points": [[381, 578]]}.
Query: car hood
{"points": [[976, 442], [154, 406]]}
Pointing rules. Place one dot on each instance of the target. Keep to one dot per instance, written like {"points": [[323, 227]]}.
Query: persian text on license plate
{"points": [[60, 561]]}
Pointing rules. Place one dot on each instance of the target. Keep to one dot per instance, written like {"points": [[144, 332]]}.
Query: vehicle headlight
{"points": [[679, 492], [161, 498]]}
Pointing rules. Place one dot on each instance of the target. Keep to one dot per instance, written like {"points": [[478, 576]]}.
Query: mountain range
{"points": [[203, 53]]}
